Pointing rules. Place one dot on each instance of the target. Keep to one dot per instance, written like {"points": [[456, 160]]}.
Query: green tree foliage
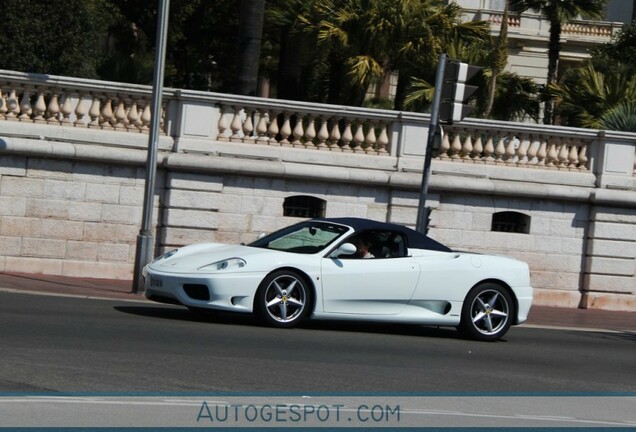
{"points": [[362, 40], [558, 12], [601, 93], [55, 37], [201, 49]]}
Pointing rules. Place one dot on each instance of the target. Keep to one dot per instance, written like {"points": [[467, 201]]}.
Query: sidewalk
{"points": [[122, 290]]}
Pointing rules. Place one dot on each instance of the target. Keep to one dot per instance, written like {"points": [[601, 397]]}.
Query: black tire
{"points": [[283, 299], [487, 313]]}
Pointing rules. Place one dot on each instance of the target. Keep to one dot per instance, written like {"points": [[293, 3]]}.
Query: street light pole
{"points": [[422, 214], [144, 251]]}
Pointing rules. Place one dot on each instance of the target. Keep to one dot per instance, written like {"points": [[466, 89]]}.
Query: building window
{"points": [[304, 206], [509, 221]]}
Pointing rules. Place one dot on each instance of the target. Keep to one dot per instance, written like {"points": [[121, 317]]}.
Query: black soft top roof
{"points": [[414, 238]]}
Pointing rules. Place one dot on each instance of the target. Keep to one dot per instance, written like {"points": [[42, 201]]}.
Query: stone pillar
{"points": [[610, 265]]}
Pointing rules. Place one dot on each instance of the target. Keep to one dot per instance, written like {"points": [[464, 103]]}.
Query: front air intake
{"points": [[197, 291]]}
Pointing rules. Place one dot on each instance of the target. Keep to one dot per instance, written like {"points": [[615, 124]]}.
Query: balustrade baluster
{"points": [[272, 131], [573, 157], [66, 110], [511, 151], [13, 106], [261, 128], [285, 131], [562, 157], [133, 117], [146, 118], [93, 112], [236, 125], [25, 105], [542, 153], [310, 132], [444, 147], [370, 140], [106, 118], [467, 147], [39, 108], [347, 136], [3, 106], [323, 134], [533, 148], [500, 150], [298, 132], [456, 147], [222, 125], [478, 148], [489, 150], [383, 139], [334, 137], [358, 139], [553, 155], [522, 150], [53, 110], [80, 112], [120, 116], [248, 127], [583, 157]]}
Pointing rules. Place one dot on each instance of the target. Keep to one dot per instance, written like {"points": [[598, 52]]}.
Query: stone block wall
{"points": [[610, 276], [69, 218]]}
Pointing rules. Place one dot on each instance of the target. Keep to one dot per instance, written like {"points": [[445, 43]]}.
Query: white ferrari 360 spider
{"points": [[347, 268]]}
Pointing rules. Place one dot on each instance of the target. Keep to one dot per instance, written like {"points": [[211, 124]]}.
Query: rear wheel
{"points": [[487, 313], [283, 299]]}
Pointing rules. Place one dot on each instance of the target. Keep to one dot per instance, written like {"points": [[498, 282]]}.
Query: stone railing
{"points": [[591, 28], [74, 102], [533, 23], [333, 130], [517, 147], [198, 121]]}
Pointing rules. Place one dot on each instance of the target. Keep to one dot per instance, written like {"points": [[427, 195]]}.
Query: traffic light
{"points": [[455, 91]]}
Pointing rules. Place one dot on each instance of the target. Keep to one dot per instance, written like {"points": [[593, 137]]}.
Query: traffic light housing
{"points": [[455, 91]]}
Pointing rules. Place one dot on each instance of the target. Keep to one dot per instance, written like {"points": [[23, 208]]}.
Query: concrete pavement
{"points": [[544, 316]]}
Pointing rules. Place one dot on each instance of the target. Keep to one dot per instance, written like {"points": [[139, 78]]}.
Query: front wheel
{"points": [[487, 313], [283, 299]]}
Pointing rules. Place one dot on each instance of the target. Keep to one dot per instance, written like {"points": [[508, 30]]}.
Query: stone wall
{"points": [[69, 218]]}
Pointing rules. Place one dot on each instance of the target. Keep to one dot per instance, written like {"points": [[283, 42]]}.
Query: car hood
{"points": [[192, 258]]}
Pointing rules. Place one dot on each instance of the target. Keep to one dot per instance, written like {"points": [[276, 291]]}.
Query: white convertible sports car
{"points": [[317, 268]]}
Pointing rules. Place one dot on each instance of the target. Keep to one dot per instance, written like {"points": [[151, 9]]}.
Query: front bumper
{"points": [[229, 292]]}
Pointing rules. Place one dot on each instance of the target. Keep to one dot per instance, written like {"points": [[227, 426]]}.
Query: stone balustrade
{"points": [[194, 119], [517, 148], [74, 102]]}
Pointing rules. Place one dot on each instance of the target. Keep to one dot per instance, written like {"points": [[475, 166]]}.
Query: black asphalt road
{"points": [[62, 344]]}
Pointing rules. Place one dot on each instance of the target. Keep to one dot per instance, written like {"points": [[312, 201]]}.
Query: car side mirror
{"points": [[344, 249]]}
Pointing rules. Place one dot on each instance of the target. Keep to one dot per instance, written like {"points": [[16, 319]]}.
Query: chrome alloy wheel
{"points": [[489, 312], [285, 298]]}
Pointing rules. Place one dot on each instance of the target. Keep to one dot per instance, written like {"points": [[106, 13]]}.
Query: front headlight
{"points": [[227, 264], [166, 255]]}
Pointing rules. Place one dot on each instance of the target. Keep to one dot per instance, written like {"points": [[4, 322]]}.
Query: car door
{"points": [[377, 286]]}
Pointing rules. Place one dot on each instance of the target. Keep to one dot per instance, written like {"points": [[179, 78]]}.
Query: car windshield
{"points": [[306, 237]]}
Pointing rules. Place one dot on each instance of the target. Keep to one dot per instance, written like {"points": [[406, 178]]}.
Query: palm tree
{"points": [[620, 118], [499, 61], [587, 95], [367, 39], [558, 12], [251, 34]]}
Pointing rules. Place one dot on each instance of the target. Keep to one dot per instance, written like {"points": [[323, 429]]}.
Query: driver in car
{"points": [[363, 244]]}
